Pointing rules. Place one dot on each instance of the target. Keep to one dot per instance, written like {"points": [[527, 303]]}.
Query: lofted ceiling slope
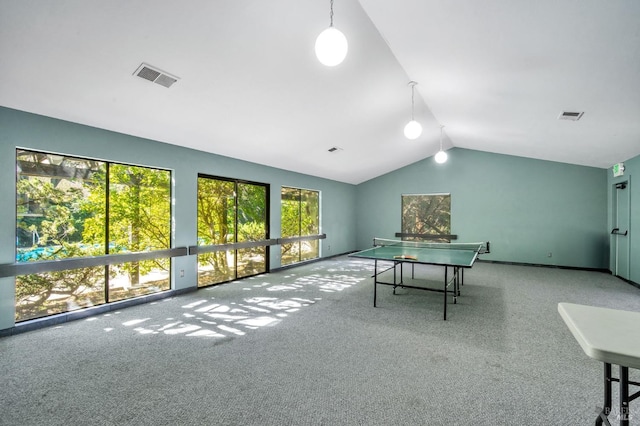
{"points": [[495, 73]]}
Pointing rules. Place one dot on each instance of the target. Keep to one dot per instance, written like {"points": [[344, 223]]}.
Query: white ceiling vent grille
{"points": [[569, 115], [155, 75]]}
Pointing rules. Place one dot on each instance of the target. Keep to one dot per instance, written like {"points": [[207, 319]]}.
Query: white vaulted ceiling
{"points": [[495, 73]]}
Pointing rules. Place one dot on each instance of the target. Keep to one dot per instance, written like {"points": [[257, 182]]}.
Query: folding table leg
{"points": [[624, 396], [606, 409]]}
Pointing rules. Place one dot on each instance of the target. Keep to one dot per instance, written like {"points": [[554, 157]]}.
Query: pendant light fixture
{"points": [[441, 156], [331, 45], [413, 129]]}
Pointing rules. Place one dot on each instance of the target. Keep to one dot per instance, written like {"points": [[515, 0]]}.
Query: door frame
{"points": [[621, 236]]}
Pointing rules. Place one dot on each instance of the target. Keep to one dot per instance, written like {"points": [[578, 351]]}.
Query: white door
{"points": [[620, 231]]}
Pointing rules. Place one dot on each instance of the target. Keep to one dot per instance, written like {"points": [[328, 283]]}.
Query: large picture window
{"points": [[229, 212], [71, 207], [300, 217], [426, 216]]}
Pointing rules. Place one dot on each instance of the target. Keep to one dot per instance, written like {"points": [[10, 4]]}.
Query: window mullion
{"points": [[107, 191]]}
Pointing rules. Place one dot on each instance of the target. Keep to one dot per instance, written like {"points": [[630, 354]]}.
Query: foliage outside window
{"points": [[231, 211], [70, 207], [300, 216], [428, 214]]}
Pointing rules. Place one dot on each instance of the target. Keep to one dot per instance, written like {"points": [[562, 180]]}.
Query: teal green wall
{"points": [[527, 208], [632, 175], [19, 129]]}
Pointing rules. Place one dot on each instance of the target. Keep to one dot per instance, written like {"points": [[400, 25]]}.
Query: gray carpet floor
{"points": [[305, 346]]}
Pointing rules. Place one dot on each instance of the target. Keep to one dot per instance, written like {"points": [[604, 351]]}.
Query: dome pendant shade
{"points": [[331, 47], [412, 130], [441, 157]]}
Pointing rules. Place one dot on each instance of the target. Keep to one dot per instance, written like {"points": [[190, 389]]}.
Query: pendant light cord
{"points": [[412, 102], [331, 14], [412, 84]]}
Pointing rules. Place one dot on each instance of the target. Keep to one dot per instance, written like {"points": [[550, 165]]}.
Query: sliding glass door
{"points": [[230, 212], [300, 217]]}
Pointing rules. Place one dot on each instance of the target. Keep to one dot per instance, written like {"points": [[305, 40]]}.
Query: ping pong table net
{"points": [[480, 247]]}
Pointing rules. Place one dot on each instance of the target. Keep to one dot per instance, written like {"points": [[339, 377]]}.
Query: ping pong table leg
{"points": [[456, 284], [395, 265], [397, 284], [446, 268], [375, 281]]}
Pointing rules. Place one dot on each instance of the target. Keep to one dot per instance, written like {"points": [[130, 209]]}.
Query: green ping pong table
{"points": [[454, 256]]}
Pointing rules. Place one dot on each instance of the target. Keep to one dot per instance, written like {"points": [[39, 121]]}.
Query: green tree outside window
{"points": [[300, 216], [62, 212]]}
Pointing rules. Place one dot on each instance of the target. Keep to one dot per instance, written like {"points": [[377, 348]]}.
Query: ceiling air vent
{"points": [[334, 149], [155, 75], [569, 115]]}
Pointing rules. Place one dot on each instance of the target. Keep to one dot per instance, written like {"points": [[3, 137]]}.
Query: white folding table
{"points": [[613, 337]]}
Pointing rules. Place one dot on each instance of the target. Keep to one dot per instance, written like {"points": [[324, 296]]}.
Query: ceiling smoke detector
{"points": [[154, 75], [569, 115]]}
